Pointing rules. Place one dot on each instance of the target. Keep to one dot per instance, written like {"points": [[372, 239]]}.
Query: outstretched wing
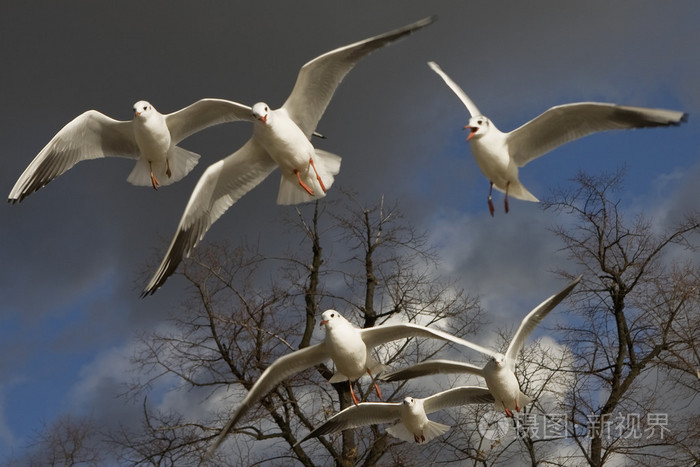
{"points": [[431, 367], [457, 396], [203, 114], [471, 107], [532, 320], [90, 135], [382, 334], [366, 413], [318, 79], [221, 185], [569, 122], [277, 372]]}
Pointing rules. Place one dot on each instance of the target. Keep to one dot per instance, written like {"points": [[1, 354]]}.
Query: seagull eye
{"points": [[332, 315]]}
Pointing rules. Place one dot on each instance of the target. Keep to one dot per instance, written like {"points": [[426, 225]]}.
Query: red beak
{"points": [[323, 321], [472, 131], [263, 118], [137, 113]]}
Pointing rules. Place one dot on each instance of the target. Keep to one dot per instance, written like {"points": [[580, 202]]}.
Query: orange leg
{"points": [[318, 177], [491, 209], [517, 407], [352, 393], [154, 182], [308, 190], [376, 388]]}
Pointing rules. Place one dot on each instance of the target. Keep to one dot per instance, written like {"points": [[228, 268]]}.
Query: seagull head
{"points": [[142, 108], [497, 360], [409, 401], [329, 318], [477, 126], [261, 111]]}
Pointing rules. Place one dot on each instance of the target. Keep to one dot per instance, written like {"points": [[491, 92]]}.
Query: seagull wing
{"points": [[533, 319], [431, 367], [203, 114], [277, 372], [221, 185], [366, 413], [90, 135], [456, 397], [569, 122], [471, 107], [382, 334], [318, 79]]}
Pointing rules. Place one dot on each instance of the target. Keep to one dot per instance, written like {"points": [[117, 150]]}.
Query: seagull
{"points": [[347, 345], [151, 138], [412, 412], [280, 139], [499, 371], [499, 154]]}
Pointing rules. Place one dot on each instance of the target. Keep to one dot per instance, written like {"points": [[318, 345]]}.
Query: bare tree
{"points": [[68, 441], [246, 309], [634, 355]]}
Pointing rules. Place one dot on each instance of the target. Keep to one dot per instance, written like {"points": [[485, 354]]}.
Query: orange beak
{"points": [[472, 131], [137, 113], [263, 118], [323, 321]]}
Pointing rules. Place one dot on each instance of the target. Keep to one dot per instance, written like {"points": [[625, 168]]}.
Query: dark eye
{"points": [[145, 108]]}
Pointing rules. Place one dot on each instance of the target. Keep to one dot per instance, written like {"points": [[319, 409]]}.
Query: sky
{"points": [[74, 254]]}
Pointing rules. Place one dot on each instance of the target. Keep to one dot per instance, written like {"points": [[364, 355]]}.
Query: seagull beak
{"points": [[472, 131], [323, 321], [137, 114], [263, 118]]}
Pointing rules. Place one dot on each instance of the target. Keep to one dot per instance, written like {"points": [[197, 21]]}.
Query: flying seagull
{"points": [[350, 349], [412, 413], [499, 371], [280, 139], [499, 154], [151, 139]]}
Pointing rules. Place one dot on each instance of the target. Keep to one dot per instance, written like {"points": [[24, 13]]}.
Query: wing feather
{"points": [[221, 185], [456, 397], [569, 122], [318, 79], [203, 114], [91, 135], [431, 367]]}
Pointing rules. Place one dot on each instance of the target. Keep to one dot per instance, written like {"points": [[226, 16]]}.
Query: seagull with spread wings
{"points": [[280, 139], [151, 138], [499, 371], [348, 346], [413, 424], [499, 155]]}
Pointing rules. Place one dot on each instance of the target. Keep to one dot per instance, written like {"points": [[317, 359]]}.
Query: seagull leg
{"points": [[303, 185], [352, 393], [318, 177], [376, 388], [506, 201], [491, 209], [154, 182], [508, 412], [517, 407]]}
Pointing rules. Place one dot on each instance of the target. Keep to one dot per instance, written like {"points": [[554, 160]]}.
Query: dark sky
{"points": [[74, 254]]}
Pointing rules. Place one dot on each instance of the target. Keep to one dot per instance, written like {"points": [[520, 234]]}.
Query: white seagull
{"points": [[499, 154], [350, 349], [151, 138], [499, 371], [280, 139], [412, 413]]}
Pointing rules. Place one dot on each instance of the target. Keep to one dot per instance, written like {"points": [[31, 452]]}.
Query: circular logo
{"points": [[493, 425]]}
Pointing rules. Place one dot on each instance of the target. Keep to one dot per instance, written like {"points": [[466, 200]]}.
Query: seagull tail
{"points": [[180, 162], [290, 192], [517, 190], [430, 431]]}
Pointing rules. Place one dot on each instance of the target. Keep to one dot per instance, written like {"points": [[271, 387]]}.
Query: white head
{"points": [[409, 402], [478, 126], [331, 318], [142, 109], [261, 111], [497, 361]]}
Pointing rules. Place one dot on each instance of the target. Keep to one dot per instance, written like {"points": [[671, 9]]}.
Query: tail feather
{"points": [[180, 162], [431, 431], [290, 192]]}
